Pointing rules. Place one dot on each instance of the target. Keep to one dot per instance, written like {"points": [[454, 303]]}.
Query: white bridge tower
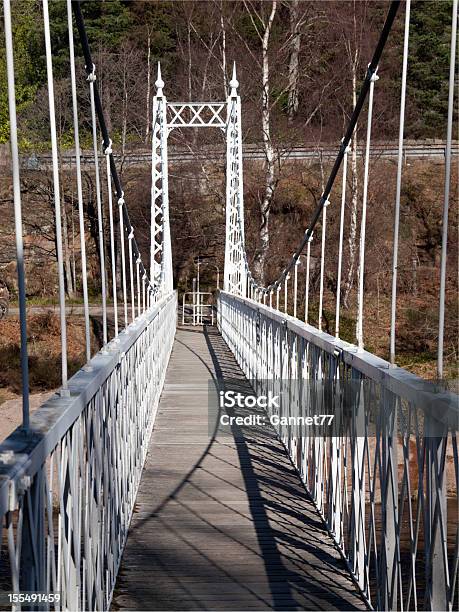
{"points": [[226, 116]]}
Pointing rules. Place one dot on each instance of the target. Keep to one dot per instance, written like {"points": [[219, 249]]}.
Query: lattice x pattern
{"points": [[68, 491], [161, 250], [235, 278], [198, 114], [384, 477]]}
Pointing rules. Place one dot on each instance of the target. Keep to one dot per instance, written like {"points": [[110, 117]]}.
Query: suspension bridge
{"points": [[133, 487]]}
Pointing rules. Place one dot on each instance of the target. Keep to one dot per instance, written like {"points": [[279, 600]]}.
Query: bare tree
{"points": [[262, 22], [148, 93], [294, 59], [353, 46]]}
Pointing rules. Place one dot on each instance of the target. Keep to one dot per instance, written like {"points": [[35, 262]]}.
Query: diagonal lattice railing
{"points": [[69, 475], [383, 474]]}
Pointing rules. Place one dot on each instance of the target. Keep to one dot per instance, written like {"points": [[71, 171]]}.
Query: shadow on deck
{"points": [[223, 521]]}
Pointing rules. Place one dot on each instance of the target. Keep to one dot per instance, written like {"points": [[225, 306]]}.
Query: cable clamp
{"points": [[371, 74], [138, 261], [131, 234], [345, 149], [326, 202], [121, 201], [92, 75], [108, 150]]}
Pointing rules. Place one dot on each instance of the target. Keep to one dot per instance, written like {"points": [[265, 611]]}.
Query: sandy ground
{"points": [[11, 411]]}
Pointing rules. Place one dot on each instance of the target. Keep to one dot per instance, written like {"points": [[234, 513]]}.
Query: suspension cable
{"points": [[363, 221], [131, 270], [112, 236], [57, 198], [308, 273], [399, 183], [17, 213], [340, 246], [322, 261], [444, 242], [92, 79], [123, 259], [295, 289], [127, 226], [84, 275], [372, 68], [137, 264]]}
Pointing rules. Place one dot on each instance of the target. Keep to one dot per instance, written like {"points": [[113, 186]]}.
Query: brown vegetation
{"points": [[44, 345]]}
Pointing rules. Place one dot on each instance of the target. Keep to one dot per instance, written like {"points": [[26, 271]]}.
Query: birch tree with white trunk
{"points": [[294, 59], [353, 50], [148, 117], [263, 22]]}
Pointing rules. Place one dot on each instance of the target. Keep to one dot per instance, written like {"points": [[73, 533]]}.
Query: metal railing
{"points": [[385, 476], [421, 150], [67, 491], [197, 311]]}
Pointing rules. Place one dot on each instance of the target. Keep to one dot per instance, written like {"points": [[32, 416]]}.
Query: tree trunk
{"points": [[67, 260], [270, 178], [190, 66], [223, 32], [125, 112], [65, 236], [293, 66], [352, 239], [147, 115]]}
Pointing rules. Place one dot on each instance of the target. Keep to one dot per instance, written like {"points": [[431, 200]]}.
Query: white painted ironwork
{"points": [[340, 246], [196, 114], [199, 310], [67, 493], [84, 271], [100, 223], [235, 275], [57, 196], [398, 190], [161, 249], [444, 238], [224, 115], [379, 480], [17, 212], [68, 484], [363, 220]]}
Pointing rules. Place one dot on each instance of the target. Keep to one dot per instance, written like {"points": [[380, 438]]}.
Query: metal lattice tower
{"points": [[235, 270], [160, 252], [166, 117]]}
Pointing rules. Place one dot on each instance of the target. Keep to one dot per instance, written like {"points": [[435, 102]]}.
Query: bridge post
{"points": [[235, 277], [438, 592], [160, 248], [358, 551], [389, 595]]}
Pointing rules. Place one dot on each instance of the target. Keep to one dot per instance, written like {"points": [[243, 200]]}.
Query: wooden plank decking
{"points": [[221, 522]]}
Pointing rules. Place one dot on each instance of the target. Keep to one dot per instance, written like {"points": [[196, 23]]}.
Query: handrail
{"points": [[382, 472]]}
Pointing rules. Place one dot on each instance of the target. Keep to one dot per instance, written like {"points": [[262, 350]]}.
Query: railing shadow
{"points": [[271, 534]]}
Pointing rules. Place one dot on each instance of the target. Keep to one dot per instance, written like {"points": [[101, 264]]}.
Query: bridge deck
{"points": [[223, 522]]}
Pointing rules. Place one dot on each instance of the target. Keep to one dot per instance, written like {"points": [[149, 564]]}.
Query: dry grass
{"points": [[44, 345]]}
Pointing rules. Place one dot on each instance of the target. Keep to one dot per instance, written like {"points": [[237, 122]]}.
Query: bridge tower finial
{"points": [[159, 82], [234, 83]]}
